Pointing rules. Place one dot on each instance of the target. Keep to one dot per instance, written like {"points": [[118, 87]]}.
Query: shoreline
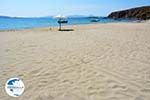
{"points": [[76, 25]]}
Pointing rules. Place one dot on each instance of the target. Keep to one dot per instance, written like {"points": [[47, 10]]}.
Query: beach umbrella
{"points": [[60, 16], [61, 19]]}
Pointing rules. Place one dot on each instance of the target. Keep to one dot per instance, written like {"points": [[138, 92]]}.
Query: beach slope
{"points": [[93, 62]]}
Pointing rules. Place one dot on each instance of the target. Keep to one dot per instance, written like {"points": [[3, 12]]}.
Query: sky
{"points": [[39, 8]]}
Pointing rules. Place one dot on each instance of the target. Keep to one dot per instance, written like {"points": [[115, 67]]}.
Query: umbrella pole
{"points": [[59, 26]]}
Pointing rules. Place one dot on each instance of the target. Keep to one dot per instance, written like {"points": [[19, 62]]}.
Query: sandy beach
{"points": [[93, 62]]}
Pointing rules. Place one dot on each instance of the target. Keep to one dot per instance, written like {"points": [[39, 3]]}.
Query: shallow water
{"points": [[25, 23]]}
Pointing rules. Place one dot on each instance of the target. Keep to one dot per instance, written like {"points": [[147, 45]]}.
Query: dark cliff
{"points": [[140, 13]]}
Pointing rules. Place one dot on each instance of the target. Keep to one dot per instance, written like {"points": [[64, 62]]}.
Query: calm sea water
{"points": [[25, 23]]}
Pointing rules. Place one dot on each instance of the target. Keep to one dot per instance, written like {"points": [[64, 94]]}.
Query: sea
{"points": [[16, 23]]}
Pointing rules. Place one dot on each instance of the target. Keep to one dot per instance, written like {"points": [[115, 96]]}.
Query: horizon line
{"points": [[51, 16]]}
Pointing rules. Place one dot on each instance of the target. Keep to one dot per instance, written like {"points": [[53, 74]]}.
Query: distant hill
{"points": [[140, 13], [76, 16], [5, 17]]}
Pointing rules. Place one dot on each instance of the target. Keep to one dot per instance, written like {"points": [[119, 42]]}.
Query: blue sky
{"points": [[38, 8]]}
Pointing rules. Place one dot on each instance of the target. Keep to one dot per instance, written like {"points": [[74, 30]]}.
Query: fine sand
{"points": [[93, 62]]}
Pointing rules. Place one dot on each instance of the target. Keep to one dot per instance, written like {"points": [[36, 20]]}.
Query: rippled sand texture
{"points": [[93, 62]]}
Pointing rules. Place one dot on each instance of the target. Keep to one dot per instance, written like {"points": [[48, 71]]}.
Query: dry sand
{"points": [[93, 62]]}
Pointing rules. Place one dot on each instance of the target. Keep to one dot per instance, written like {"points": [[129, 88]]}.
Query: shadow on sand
{"points": [[66, 29]]}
